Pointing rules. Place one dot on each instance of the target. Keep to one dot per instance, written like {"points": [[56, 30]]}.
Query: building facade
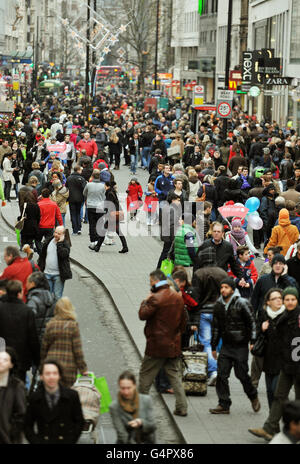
{"points": [[275, 24]]}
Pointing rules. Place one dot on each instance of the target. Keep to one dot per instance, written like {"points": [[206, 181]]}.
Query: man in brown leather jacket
{"points": [[166, 320]]}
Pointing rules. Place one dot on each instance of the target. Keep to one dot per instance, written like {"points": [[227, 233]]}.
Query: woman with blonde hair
{"points": [[115, 150], [62, 342]]}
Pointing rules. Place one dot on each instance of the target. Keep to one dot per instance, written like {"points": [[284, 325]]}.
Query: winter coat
{"points": [[115, 148], [166, 321], [170, 222], [224, 256], [61, 425], [40, 177], [90, 146], [7, 172], [13, 408], [194, 185], [17, 327], [288, 329], [19, 269], [63, 256], [42, 303], [272, 352], [283, 235], [134, 197], [221, 183], [236, 325], [60, 196], [293, 265], [62, 342], [76, 183], [182, 256], [265, 283], [235, 162], [49, 214], [120, 419], [249, 274], [32, 220]]}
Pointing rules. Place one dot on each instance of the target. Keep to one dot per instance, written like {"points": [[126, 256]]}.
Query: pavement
{"points": [[126, 278]]}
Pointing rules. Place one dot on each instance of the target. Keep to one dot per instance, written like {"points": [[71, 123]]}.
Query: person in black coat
{"points": [[54, 414], [293, 265], [221, 183], [273, 308], [12, 400], [222, 249], [17, 327], [30, 230], [76, 183]]}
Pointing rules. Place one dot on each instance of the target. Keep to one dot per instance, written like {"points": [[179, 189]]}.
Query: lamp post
{"points": [[228, 52], [156, 43], [87, 62]]}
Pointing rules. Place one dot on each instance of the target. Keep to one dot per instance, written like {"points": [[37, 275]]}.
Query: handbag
{"points": [[20, 224], [259, 346], [167, 267], [173, 152]]}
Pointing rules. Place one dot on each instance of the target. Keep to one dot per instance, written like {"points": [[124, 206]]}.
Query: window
{"points": [[295, 33]]}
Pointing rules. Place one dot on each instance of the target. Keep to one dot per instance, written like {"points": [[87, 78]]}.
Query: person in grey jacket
{"points": [[132, 413], [40, 300], [94, 194]]}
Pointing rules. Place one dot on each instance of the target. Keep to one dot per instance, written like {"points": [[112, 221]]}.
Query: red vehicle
{"points": [[110, 71]]}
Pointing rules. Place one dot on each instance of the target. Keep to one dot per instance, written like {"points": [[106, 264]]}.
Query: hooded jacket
{"points": [[42, 302], [284, 234]]}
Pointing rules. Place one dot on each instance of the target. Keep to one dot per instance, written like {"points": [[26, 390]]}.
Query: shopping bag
{"points": [[167, 267], [102, 387], [18, 235]]}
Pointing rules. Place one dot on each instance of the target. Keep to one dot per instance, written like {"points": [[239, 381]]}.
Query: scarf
{"points": [[237, 239], [130, 406], [245, 184], [273, 314]]}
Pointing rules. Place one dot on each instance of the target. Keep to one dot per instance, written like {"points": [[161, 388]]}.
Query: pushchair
{"points": [[90, 399]]}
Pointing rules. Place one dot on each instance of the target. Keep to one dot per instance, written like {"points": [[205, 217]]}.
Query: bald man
{"points": [[54, 261]]}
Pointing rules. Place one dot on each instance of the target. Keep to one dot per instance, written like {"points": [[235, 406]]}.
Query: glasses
{"points": [[276, 298]]}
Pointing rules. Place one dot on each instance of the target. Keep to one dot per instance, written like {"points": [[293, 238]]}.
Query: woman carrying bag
{"points": [[268, 343]]}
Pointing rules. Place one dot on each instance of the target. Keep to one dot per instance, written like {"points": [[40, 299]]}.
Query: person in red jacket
{"points": [[17, 268], [50, 213], [89, 145], [246, 284], [134, 198]]}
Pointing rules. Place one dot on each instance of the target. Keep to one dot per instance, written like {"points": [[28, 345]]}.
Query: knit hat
{"points": [[236, 223], [278, 259], [101, 166], [290, 291], [228, 281], [207, 257]]}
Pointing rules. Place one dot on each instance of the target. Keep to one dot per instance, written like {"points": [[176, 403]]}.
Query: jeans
{"points": [[284, 385], [56, 285], [162, 382], [7, 188], [236, 357], [146, 156], [205, 338], [271, 384], [63, 215], [94, 217], [133, 163], [85, 215], [75, 217]]}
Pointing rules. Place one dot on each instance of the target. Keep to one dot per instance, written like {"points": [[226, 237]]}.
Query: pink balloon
{"points": [[255, 222]]}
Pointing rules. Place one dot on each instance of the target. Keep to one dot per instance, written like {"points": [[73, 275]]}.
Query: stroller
{"points": [[90, 402]]}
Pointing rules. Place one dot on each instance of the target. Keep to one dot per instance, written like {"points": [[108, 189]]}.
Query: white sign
{"points": [[7, 106], [224, 109], [254, 91], [225, 95], [199, 89]]}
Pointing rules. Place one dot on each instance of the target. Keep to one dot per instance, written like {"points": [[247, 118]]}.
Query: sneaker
{"points": [[74, 233], [261, 433], [182, 413], [219, 410], [92, 246], [255, 405], [79, 232], [212, 380]]}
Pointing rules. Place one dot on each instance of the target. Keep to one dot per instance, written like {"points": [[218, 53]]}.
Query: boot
{"points": [[124, 244]]}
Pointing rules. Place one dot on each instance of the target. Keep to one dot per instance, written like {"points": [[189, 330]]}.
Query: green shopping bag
{"points": [[167, 267], [18, 235], [102, 387]]}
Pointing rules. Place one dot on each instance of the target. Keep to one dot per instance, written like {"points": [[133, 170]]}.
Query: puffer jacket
{"points": [[236, 325], [60, 197], [166, 321], [42, 302]]}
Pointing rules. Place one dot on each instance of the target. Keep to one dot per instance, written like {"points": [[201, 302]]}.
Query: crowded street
{"points": [[149, 227]]}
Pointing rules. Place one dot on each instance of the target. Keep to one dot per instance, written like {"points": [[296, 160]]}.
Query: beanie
{"points": [[290, 291], [101, 166], [228, 281], [278, 259]]}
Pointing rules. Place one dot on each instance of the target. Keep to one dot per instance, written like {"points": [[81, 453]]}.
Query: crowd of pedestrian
{"points": [[62, 164]]}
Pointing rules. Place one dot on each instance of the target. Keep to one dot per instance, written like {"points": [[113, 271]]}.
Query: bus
{"points": [[110, 71], [51, 87]]}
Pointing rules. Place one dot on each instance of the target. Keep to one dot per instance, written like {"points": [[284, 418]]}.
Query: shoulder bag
{"points": [[20, 224]]}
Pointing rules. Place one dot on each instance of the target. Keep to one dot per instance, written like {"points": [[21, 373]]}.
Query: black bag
{"points": [[259, 346]]}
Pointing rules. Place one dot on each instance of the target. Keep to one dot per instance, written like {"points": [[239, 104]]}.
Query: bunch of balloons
{"points": [[253, 218]]}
